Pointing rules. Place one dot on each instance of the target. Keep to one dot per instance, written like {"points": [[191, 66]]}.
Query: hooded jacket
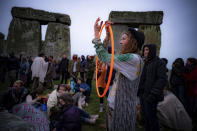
{"points": [[153, 78]]}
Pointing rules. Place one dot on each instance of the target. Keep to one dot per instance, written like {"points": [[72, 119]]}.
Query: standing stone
{"points": [[153, 35], [118, 29], [2, 36], [2, 44], [24, 36], [57, 40], [147, 22]]}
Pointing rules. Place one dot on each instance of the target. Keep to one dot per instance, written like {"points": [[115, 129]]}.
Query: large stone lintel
{"points": [[43, 17], [136, 18]]}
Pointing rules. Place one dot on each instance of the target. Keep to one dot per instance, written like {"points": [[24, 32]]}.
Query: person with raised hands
{"points": [[121, 108]]}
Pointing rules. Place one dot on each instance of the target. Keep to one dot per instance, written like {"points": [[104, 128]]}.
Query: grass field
{"points": [[93, 108]]}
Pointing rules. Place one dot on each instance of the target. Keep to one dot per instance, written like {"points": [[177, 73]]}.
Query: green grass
{"points": [[93, 108]]}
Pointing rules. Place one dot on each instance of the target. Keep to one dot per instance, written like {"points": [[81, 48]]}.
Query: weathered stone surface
{"points": [[24, 36], [42, 16], [118, 29], [57, 40], [137, 18], [2, 43], [147, 22], [2, 36], [3, 47], [153, 35]]}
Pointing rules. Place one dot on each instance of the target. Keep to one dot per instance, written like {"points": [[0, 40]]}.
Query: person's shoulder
{"points": [[160, 61], [135, 57], [85, 84]]}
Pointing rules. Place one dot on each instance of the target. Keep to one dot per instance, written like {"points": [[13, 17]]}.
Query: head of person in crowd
{"points": [[75, 57], [149, 52], [82, 57], [191, 64], [18, 86], [51, 58], [30, 59], [23, 59], [92, 57], [65, 100], [131, 41], [88, 57], [37, 93], [12, 54], [178, 63], [80, 80], [41, 55], [64, 56], [62, 88], [165, 61], [46, 58], [79, 59]]}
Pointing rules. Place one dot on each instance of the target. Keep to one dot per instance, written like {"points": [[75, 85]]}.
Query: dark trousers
{"points": [[149, 112], [64, 76], [89, 82], [101, 90], [82, 75], [87, 94], [36, 83]]}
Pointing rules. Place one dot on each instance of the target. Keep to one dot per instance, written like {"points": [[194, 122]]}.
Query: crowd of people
{"points": [[141, 88]]}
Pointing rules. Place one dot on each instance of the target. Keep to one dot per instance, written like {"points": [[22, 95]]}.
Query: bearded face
{"points": [[127, 44]]}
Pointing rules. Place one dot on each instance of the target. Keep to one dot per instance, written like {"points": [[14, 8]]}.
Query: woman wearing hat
{"points": [[121, 112]]}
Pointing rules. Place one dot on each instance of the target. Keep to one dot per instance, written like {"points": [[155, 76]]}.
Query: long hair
{"points": [[131, 46]]}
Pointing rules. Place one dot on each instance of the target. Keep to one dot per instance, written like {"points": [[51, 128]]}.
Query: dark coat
{"points": [[176, 78], [89, 69], [153, 79], [63, 67], [9, 98], [13, 63], [69, 120]]}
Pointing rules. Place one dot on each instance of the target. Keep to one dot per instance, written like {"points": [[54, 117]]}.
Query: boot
{"points": [[101, 108]]}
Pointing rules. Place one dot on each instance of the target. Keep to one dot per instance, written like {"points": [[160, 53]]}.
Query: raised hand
{"points": [[107, 24], [97, 27]]}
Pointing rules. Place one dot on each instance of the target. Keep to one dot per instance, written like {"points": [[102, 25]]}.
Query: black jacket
{"points": [[153, 80], [63, 67], [9, 98], [176, 78], [69, 120]]}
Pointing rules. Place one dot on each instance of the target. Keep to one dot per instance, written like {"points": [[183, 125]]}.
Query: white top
{"points": [[39, 68]]}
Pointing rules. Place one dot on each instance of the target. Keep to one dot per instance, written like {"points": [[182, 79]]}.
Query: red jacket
{"points": [[192, 82]]}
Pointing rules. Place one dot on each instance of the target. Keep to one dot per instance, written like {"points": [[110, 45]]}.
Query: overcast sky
{"points": [[179, 28]]}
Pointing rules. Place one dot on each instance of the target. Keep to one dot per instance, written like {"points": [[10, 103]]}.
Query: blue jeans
{"points": [[84, 116]]}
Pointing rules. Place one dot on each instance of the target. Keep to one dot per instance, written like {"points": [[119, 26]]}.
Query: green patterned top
{"points": [[127, 64]]}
